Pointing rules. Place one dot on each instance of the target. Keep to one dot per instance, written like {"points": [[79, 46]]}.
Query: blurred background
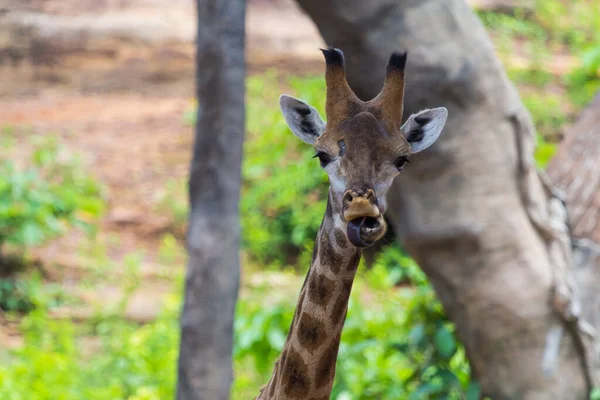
{"points": [[96, 133]]}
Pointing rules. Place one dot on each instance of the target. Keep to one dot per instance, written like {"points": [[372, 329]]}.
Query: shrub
{"points": [[44, 199], [37, 203], [116, 360], [284, 192], [584, 81]]}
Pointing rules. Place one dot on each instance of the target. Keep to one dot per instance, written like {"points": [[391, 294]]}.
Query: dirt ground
{"points": [[113, 80]]}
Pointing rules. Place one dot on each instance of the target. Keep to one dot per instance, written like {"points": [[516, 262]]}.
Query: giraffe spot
{"points": [[325, 371], [328, 256], [338, 312], [339, 309], [347, 286], [310, 332], [340, 239], [294, 376], [320, 289], [353, 263]]}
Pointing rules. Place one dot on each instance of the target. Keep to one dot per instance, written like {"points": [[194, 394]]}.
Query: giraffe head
{"points": [[363, 145]]}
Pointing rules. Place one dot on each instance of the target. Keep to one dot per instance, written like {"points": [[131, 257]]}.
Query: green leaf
{"points": [[473, 391], [423, 391], [416, 334], [444, 342], [449, 379], [31, 233]]}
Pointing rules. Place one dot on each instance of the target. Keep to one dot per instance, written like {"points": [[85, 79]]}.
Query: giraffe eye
{"points": [[323, 158], [400, 162]]}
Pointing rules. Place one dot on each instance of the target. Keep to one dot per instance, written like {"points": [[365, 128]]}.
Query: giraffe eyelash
{"points": [[323, 158]]}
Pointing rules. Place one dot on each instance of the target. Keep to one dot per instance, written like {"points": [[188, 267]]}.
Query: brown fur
{"points": [[325, 372], [311, 332], [389, 102], [340, 239], [320, 289], [294, 372], [341, 304], [362, 163], [329, 256]]}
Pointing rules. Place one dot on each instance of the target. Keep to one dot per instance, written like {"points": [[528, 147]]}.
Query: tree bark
{"points": [[576, 171], [212, 279], [473, 211]]}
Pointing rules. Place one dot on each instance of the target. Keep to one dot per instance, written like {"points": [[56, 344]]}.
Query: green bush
{"points": [[553, 29], [24, 292], [115, 360], [284, 192], [584, 81], [38, 202], [44, 199], [552, 22]]}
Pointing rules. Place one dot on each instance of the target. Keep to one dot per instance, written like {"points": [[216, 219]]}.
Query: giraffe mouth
{"points": [[364, 231]]}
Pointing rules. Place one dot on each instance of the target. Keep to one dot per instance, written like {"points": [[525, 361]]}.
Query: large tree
{"points": [[212, 277], [477, 216]]}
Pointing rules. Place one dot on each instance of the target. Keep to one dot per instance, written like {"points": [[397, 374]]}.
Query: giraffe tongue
{"points": [[354, 227]]}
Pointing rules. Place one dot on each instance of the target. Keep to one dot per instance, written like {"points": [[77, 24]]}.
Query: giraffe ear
{"points": [[423, 128], [303, 119]]}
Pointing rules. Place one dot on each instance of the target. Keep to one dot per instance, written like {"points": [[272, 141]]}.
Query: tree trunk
{"points": [[576, 171], [212, 280], [473, 211]]}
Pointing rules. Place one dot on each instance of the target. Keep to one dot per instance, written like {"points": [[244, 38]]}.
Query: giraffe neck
{"points": [[306, 367]]}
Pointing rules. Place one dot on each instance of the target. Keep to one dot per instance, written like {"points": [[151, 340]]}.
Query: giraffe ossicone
{"points": [[362, 147]]}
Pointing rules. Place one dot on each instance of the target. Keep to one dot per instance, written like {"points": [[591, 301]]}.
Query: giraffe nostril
{"points": [[348, 197], [370, 195], [352, 195]]}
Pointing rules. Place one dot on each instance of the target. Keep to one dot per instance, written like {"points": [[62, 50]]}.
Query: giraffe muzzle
{"points": [[365, 222]]}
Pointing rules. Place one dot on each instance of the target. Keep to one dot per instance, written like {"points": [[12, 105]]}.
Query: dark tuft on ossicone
{"points": [[333, 57], [397, 62]]}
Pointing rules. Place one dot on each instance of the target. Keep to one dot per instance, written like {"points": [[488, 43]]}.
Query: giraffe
{"points": [[362, 148]]}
